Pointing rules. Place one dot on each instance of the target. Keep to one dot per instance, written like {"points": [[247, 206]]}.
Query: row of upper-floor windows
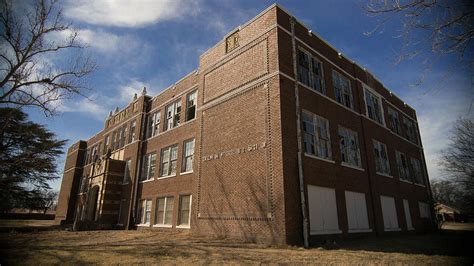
{"points": [[168, 161], [317, 142], [127, 133], [311, 74], [172, 116]]}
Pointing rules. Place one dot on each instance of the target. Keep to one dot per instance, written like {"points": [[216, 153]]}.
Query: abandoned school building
{"points": [[275, 137]]}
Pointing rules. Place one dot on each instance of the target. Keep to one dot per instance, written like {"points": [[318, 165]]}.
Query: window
{"points": [[169, 156], [106, 144], [406, 209], [316, 136], [410, 132], [191, 105], [184, 211], [232, 42], [126, 174], [173, 115], [342, 89], [114, 141], [402, 165], [382, 164], [145, 212], [424, 210], [94, 153], [121, 137], [323, 217], [417, 172], [349, 145], [389, 213], [374, 106], [310, 72], [148, 169], [131, 136], [188, 155], [356, 212], [153, 124], [394, 121], [164, 211]]}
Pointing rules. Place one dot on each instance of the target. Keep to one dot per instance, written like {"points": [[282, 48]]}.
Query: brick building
{"points": [[275, 137]]}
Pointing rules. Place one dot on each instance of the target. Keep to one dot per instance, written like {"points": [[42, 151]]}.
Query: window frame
{"points": [[174, 117], [410, 130], [406, 169], [418, 174], [368, 90], [179, 222], [317, 141], [394, 115], [340, 77], [127, 174], [131, 134], [163, 223], [169, 162], [381, 147], [148, 167], [143, 212], [185, 157], [357, 144], [153, 124], [190, 106], [311, 75]]}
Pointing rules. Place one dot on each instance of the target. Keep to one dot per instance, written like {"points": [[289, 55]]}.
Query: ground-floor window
{"points": [[389, 213], [322, 210], [356, 212], [406, 209], [145, 212], [164, 211], [184, 211]]}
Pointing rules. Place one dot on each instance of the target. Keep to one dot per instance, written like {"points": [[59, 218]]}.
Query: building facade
{"points": [[275, 137]]}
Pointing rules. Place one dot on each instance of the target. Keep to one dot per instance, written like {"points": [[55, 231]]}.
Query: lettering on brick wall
{"points": [[238, 151]]}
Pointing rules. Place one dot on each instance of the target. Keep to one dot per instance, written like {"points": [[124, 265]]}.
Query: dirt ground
{"points": [[151, 247]]}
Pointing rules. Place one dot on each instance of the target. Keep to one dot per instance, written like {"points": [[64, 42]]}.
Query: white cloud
{"points": [[92, 106], [127, 13]]}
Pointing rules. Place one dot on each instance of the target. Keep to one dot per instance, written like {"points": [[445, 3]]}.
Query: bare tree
{"points": [[458, 162], [31, 39], [439, 27]]}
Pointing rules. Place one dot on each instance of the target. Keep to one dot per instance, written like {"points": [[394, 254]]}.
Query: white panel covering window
{"points": [[169, 156], [173, 115], [322, 210], [342, 89], [148, 169], [164, 211], [349, 145], [188, 155], [374, 106], [184, 218], [417, 172], [406, 209], [154, 122], [389, 213], [402, 166], [357, 217], [382, 165], [317, 139], [424, 210], [310, 71]]}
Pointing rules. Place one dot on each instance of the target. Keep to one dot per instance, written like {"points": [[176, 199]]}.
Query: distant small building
{"points": [[446, 213]]}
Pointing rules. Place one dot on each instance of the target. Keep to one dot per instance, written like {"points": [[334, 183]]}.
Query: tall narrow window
{"points": [[191, 105], [153, 124], [374, 106], [310, 72], [126, 174], [148, 169], [188, 155], [106, 145], [114, 141], [131, 135], [164, 211], [417, 172], [184, 211], [382, 164], [145, 212], [349, 145], [402, 165], [394, 121], [173, 112], [123, 131], [410, 132], [169, 156], [316, 135], [342, 89]]}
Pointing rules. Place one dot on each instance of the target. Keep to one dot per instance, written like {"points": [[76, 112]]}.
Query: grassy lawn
{"points": [[148, 246]]}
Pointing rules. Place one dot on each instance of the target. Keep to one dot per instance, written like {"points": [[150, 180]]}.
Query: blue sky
{"points": [[155, 43]]}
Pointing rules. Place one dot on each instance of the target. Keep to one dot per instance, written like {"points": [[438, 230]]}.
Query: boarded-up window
{"points": [[322, 210], [389, 213], [356, 212], [406, 208]]}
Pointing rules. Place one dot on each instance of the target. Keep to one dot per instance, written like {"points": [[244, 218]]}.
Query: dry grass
{"points": [[148, 246]]}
